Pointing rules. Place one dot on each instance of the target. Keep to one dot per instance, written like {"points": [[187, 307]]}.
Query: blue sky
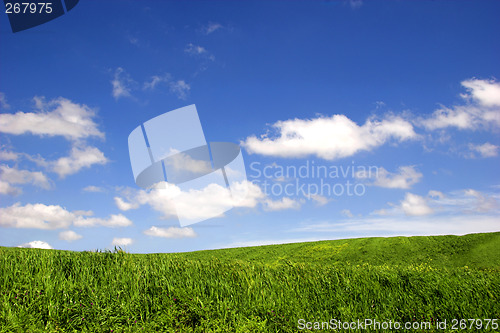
{"points": [[408, 88]]}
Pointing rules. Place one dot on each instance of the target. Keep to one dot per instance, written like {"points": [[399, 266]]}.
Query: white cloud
{"points": [[37, 245], [79, 158], [456, 202], [6, 188], [480, 111], [121, 84], [49, 217], [435, 194], [404, 226], [36, 216], [329, 137], [156, 80], [319, 199], [69, 235], [10, 176], [199, 51], [485, 150], [483, 203], [60, 117], [180, 88], [346, 213], [123, 205], [115, 220], [457, 212], [211, 27], [122, 241], [355, 4], [169, 199], [171, 232], [3, 102], [92, 188], [195, 49], [184, 162], [485, 92], [284, 203], [415, 205], [403, 179], [8, 155]]}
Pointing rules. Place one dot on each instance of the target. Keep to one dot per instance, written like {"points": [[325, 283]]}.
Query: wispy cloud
{"points": [[404, 178], [484, 150], [171, 232], [93, 188], [282, 204], [121, 84], [3, 102], [319, 199], [180, 88], [346, 213], [211, 27], [198, 51]]}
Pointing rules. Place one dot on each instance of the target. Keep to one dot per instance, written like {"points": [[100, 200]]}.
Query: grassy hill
{"points": [[256, 289], [473, 250]]}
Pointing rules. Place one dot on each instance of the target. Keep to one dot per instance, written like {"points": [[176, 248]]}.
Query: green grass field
{"points": [[255, 289]]}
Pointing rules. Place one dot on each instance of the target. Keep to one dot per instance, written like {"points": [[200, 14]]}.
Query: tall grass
{"points": [[56, 291]]}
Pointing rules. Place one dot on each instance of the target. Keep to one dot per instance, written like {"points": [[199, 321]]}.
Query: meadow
{"points": [[254, 289]]}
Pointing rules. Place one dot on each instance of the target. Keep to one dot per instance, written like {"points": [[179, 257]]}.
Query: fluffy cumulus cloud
{"points": [[9, 176], [69, 236], [404, 178], [37, 245], [210, 201], [79, 158], [171, 232], [415, 205], [481, 108], [329, 138], [41, 216], [37, 216], [122, 241], [58, 117]]}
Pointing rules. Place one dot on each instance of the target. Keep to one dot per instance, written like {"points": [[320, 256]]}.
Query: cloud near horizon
{"points": [[49, 217]]}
